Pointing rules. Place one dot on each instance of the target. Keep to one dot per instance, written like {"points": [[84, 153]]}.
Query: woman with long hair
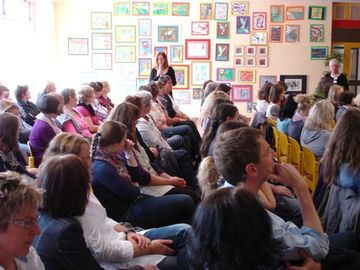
{"points": [[162, 67]]}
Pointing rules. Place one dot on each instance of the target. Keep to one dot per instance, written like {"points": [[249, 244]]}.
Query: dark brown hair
{"points": [[49, 104], [163, 54], [9, 125]]}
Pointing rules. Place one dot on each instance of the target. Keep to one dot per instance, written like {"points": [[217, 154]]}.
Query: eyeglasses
{"points": [[26, 223]]}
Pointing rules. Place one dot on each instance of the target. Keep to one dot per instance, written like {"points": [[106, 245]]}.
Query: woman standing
{"points": [[335, 75], [162, 68]]}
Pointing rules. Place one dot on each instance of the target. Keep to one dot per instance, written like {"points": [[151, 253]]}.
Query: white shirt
{"points": [[32, 261], [261, 106]]}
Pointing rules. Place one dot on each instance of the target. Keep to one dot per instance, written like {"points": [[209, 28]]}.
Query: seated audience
{"points": [[323, 87], [317, 130], [4, 92], [334, 95], [263, 98], [101, 111], [209, 88], [28, 110], [49, 88], [20, 199], [276, 96], [346, 100], [105, 98], [286, 113]]}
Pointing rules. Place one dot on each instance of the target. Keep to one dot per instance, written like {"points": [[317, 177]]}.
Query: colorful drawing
{"points": [[144, 66], [262, 62], [101, 41], [239, 50], [200, 72], [222, 52], [265, 79], [243, 25], [78, 46], [176, 54], [182, 76], [225, 74], [144, 27], [262, 50], [125, 54], [259, 21], [317, 13], [141, 82], [247, 75], [240, 8], [141, 8], [223, 30], [200, 28], [121, 8], [145, 47], [168, 33], [160, 9], [221, 11], [158, 49], [182, 97], [317, 33], [319, 52], [101, 21], [125, 33], [276, 13], [196, 49], [292, 33], [250, 50], [242, 93], [258, 38], [239, 61], [276, 33], [250, 62], [197, 92], [206, 12], [180, 9], [295, 13]]}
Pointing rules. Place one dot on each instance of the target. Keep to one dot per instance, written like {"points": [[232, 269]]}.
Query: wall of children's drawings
{"points": [[241, 43]]}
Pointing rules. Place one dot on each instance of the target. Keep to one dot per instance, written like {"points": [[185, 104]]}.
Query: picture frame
{"points": [[250, 50], [276, 33], [101, 21], [200, 72], [242, 93], [225, 74], [267, 78], [258, 38], [262, 62], [317, 13], [200, 28], [145, 47], [294, 13], [141, 8], [145, 27], [319, 52], [197, 49], [182, 97], [238, 50], [292, 33], [277, 13], [262, 51], [247, 76], [196, 92], [239, 61], [168, 33], [160, 8], [101, 41], [121, 8], [223, 30], [259, 21], [240, 8], [242, 24], [125, 54], [158, 49], [296, 83], [125, 33], [144, 67], [78, 46], [222, 51], [141, 82], [101, 61], [182, 76], [206, 11], [221, 11], [176, 54], [250, 62], [317, 33], [180, 9]]}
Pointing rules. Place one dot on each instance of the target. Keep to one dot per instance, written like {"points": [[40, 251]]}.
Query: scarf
{"points": [[88, 107], [53, 123]]}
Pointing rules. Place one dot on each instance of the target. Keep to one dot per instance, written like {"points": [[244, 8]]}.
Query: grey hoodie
{"points": [[315, 140]]}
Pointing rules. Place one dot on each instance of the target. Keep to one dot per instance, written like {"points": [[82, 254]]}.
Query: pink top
{"points": [[68, 126], [84, 111]]}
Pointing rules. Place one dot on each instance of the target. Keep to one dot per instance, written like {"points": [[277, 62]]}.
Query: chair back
{"points": [[310, 168], [276, 140], [284, 152], [295, 154], [271, 121]]}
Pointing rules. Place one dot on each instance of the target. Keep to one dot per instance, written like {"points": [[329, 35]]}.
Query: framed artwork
{"points": [[200, 72], [101, 41], [242, 93], [141, 8], [317, 33], [277, 13], [239, 61], [319, 52], [275, 33], [206, 11], [158, 49], [259, 21], [240, 8], [317, 13], [247, 76], [262, 50], [176, 54], [250, 62], [121, 9], [144, 27], [101, 21], [223, 30], [141, 82], [196, 49], [258, 38], [262, 62], [145, 47], [196, 92], [295, 83], [292, 33], [250, 50], [125, 33], [101, 61], [222, 52], [180, 9], [125, 54], [221, 11], [78, 46], [238, 50], [265, 79], [243, 25], [295, 13], [182, 97], [144, 67], [168, 33], [225, 74], [160, 9], [200, 28], [182, 76]]}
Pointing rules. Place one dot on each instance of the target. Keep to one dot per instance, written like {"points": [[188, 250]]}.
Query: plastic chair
{"points": [[284, 153], [271, 121], [31, 158], [276, 139], [332, 123], [295, 154], [310, 168]]}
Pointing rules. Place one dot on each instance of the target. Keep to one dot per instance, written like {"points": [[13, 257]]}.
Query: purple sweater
{"points": [[40, 136]]}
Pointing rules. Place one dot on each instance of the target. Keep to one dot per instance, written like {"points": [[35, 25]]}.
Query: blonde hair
{"points": [[334, 93], [207, 176], [209, 103], [6, 105], [357, 100], [320, 116]]}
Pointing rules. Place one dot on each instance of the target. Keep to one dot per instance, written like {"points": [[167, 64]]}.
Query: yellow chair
{"points": [[332, 123], [276, 140], [284, 153], [271, 121], [295, 154], [310, 168], [31, 158]]}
